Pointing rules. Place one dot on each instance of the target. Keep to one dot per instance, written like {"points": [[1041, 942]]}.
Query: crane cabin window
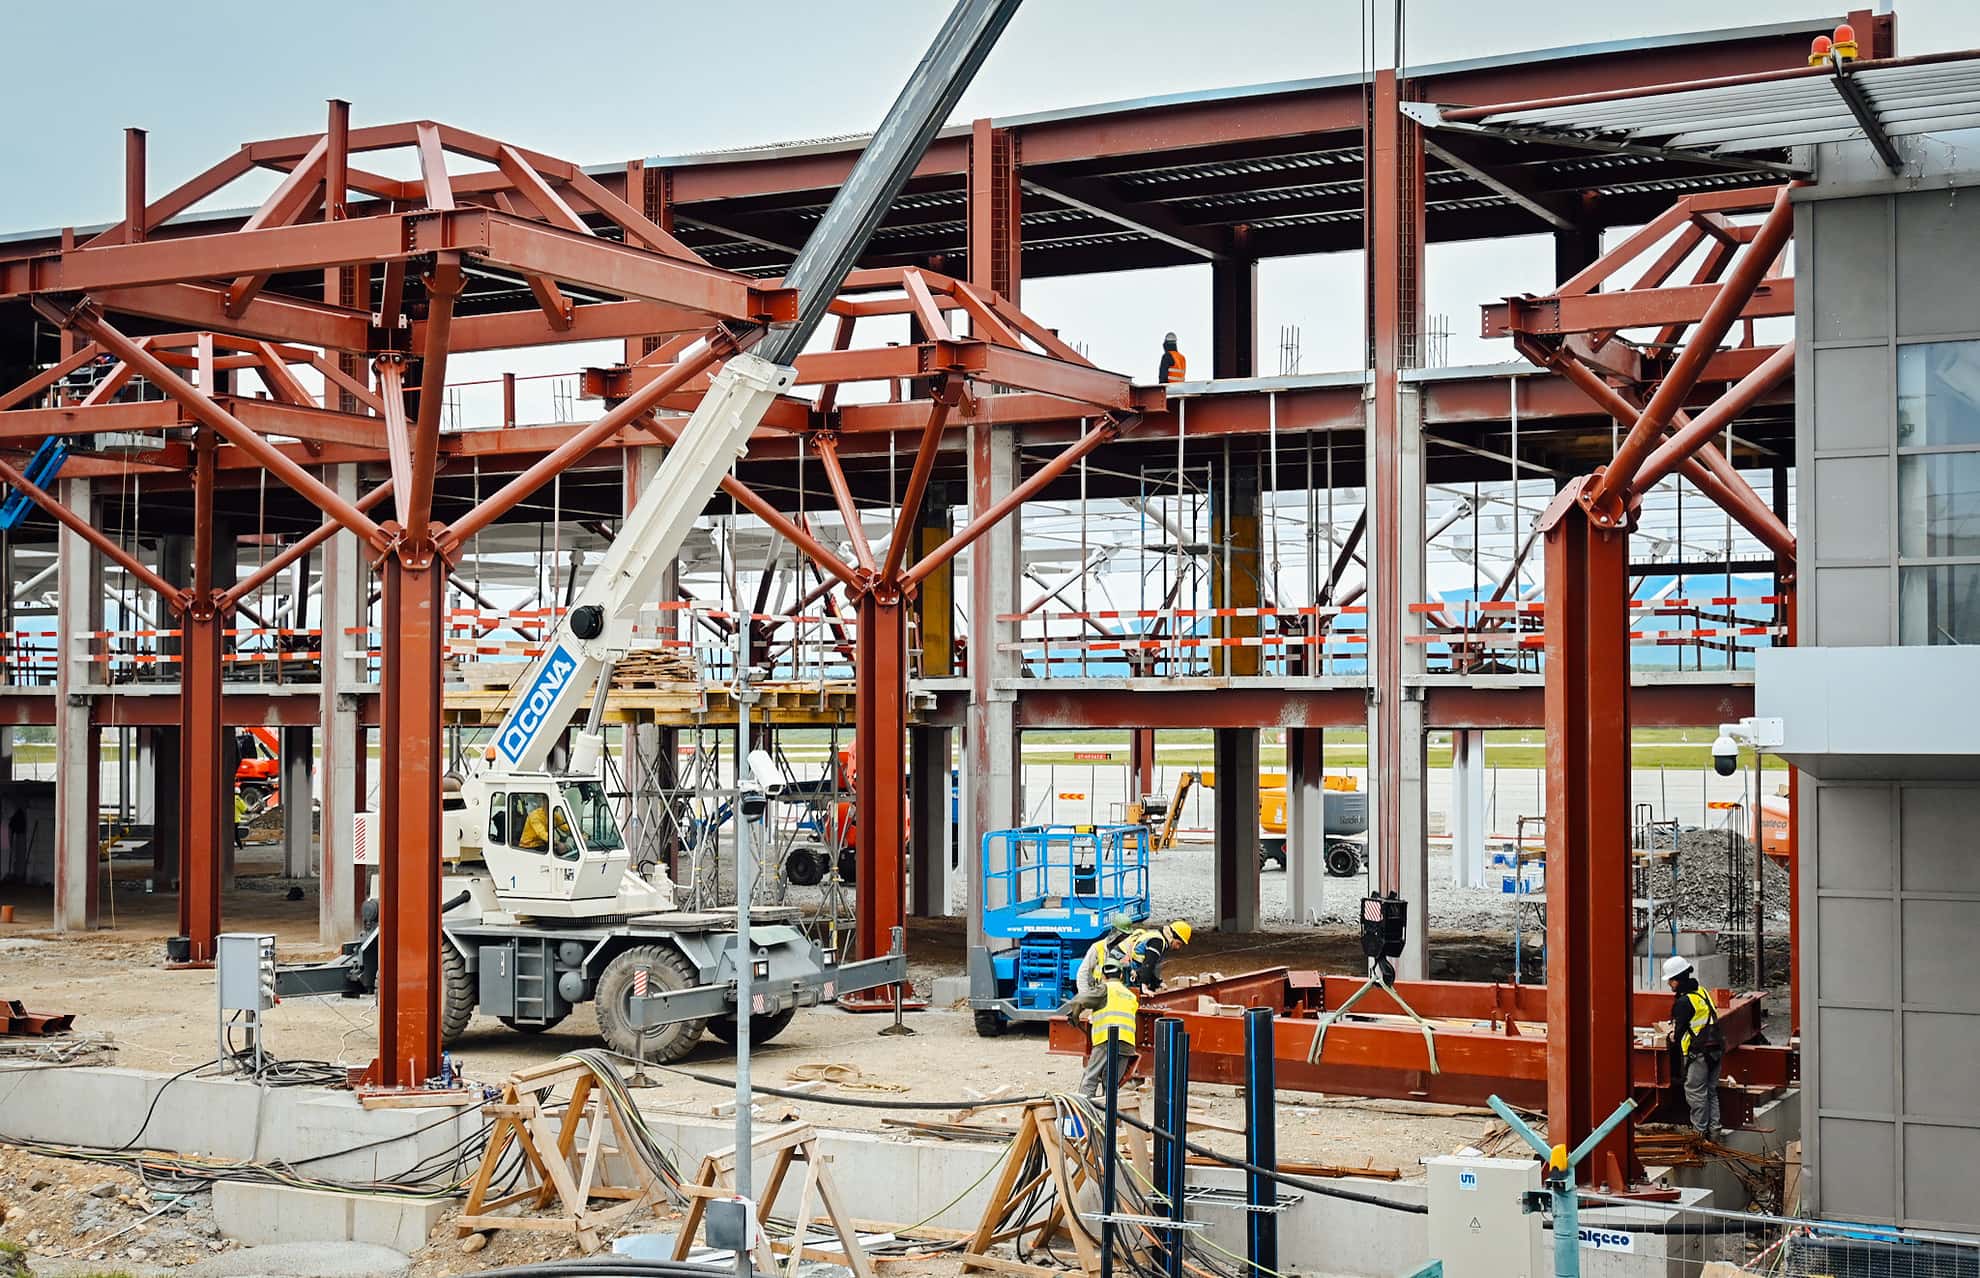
{"points": [[498, 819], [596, 824], [529, 818]]}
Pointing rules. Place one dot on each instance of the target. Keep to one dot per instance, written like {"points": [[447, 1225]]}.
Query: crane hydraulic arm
{"points": [[598, 629]]}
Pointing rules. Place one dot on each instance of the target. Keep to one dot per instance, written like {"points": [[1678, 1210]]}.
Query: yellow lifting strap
{"points": [[1375, 981]]}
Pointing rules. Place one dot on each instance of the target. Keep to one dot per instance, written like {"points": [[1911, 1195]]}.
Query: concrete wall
{"points": [[1889, 876], [320, 1132]]}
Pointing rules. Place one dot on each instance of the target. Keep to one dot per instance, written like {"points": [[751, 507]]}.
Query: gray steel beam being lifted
{"points": [[883, 168]]}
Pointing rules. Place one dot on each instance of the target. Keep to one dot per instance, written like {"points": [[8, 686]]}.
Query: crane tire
{"points": [[667, 969], [761, 1028], [456, 994]]}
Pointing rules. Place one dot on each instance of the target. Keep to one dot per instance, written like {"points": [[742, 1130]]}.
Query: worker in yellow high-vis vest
{"points": [[1699, 1043], [1117, 1013]]}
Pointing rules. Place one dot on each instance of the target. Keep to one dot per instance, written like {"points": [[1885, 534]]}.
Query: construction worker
{"points": [[1116, 1012], [1145, 949], [1090, 990], [240, 819], [1699, 1043], [1174, 368]]}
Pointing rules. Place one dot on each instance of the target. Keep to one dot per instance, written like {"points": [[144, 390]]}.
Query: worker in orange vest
{"points": [[1174, 367]]}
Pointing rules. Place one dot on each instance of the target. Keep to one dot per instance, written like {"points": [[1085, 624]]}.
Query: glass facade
{"points": [[1938, 523]]}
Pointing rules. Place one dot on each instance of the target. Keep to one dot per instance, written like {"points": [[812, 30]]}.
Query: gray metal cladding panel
{"points": [[1940, 1051], [1852, 608], [1850, 272], [1854, 520], [1854, 399], [1938, 244], [1853, 826], [1859, 1167], [1856, 1061], [1940, 1184], [1941, 942], [1941, 827], [1854, 959]]}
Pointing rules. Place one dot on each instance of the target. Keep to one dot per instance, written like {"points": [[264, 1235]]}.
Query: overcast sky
{"points": [[603, 85]]}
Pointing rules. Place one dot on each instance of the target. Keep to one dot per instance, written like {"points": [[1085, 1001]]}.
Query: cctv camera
{"points": [[1725, 755], [754, 801]]}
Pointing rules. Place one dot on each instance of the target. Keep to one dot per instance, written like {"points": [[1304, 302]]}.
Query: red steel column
{"points": [[412, 622], [880, 790], [996, 238], [205, 786], [1141, 763], [1394, 218], [1589, 1035]]}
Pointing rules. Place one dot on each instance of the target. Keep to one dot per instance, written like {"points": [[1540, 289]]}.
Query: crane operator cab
{"points": [[549, 846]]}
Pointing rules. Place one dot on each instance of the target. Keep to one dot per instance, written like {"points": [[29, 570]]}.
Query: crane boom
{"points": [[598, 629]]}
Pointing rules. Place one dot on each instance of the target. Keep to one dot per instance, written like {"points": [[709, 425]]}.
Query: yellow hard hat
{"points": [[1181, 930]]}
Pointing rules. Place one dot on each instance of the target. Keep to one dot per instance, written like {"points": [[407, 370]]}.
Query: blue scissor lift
{"points": [[1050, 891]]}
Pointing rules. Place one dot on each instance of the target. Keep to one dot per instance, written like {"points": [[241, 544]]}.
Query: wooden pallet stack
{"points": [[652, 668]]}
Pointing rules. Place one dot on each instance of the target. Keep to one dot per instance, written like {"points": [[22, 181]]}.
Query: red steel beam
{"points": [[835, 476], [1108, 428], [692, 362], [296, 550], [413, 623], [443, 288], [172, 595], [134, 219], [946, 395], [202, 407], [1613, 486], [1711, 423], [205, 786], [1589, 925], [880, 786], [1629, 308], [337, 161]]}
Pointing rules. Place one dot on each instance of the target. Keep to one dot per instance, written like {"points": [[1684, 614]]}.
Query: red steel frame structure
{"points": [[414, 552], [389, 251]]}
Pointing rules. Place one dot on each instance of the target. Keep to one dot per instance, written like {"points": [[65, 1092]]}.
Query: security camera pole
{"points": [[1762, 734]]}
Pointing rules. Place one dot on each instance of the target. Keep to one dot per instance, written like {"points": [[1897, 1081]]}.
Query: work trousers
{"points": [[1093, 1082], [1701, 1091]]}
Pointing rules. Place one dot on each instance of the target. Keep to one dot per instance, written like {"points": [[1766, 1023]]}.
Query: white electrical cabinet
{"points": [[1476, 1226]]}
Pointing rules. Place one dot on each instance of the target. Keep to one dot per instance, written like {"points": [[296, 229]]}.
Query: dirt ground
{"points": [[163, 1020]]}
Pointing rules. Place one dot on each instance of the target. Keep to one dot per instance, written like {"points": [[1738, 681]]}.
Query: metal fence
{"points": [[1629, 1238]]}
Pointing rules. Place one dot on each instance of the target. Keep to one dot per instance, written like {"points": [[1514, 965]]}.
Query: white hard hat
{"points": [[1675, 966]]}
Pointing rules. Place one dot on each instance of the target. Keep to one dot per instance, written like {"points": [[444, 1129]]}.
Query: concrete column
{"points": [[931, 840], [1468, 807], [298, 818], [1233, 318], [991, 757], [1306, 823], [78, 756], [1235, 751], [338, 767], [1396, 736]]}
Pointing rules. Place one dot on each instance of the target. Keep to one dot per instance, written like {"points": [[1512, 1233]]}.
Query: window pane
{"points": [[1938, 394], [1939, 605], [1939, 501]]}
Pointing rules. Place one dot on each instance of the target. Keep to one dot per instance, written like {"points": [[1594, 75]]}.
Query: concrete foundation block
{"points": [[949, 991], [262, 1214]]}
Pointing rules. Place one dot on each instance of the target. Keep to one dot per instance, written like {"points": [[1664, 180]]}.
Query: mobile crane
{"points": [[542, 906]]}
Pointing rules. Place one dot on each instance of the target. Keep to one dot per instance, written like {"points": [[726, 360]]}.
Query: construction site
{"points": [[844, 707]]}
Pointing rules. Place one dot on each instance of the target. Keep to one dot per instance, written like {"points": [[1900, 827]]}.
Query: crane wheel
{"points": [[761, 1028], [990, 1023], [848, 865], [806, 865], [666, 969], [1344, 859], [456, 994]]}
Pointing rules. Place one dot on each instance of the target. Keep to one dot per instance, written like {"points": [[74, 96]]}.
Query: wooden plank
{"points": [[976, 1260]]}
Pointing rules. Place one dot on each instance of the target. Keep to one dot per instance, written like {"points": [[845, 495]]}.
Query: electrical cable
{"points": [[853, 1102], [157, 1096], [1296, 1182]]}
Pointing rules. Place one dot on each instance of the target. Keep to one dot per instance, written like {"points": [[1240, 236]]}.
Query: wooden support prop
{"points": [[555, 1170], [1037, 1155], [818, 1198]]}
